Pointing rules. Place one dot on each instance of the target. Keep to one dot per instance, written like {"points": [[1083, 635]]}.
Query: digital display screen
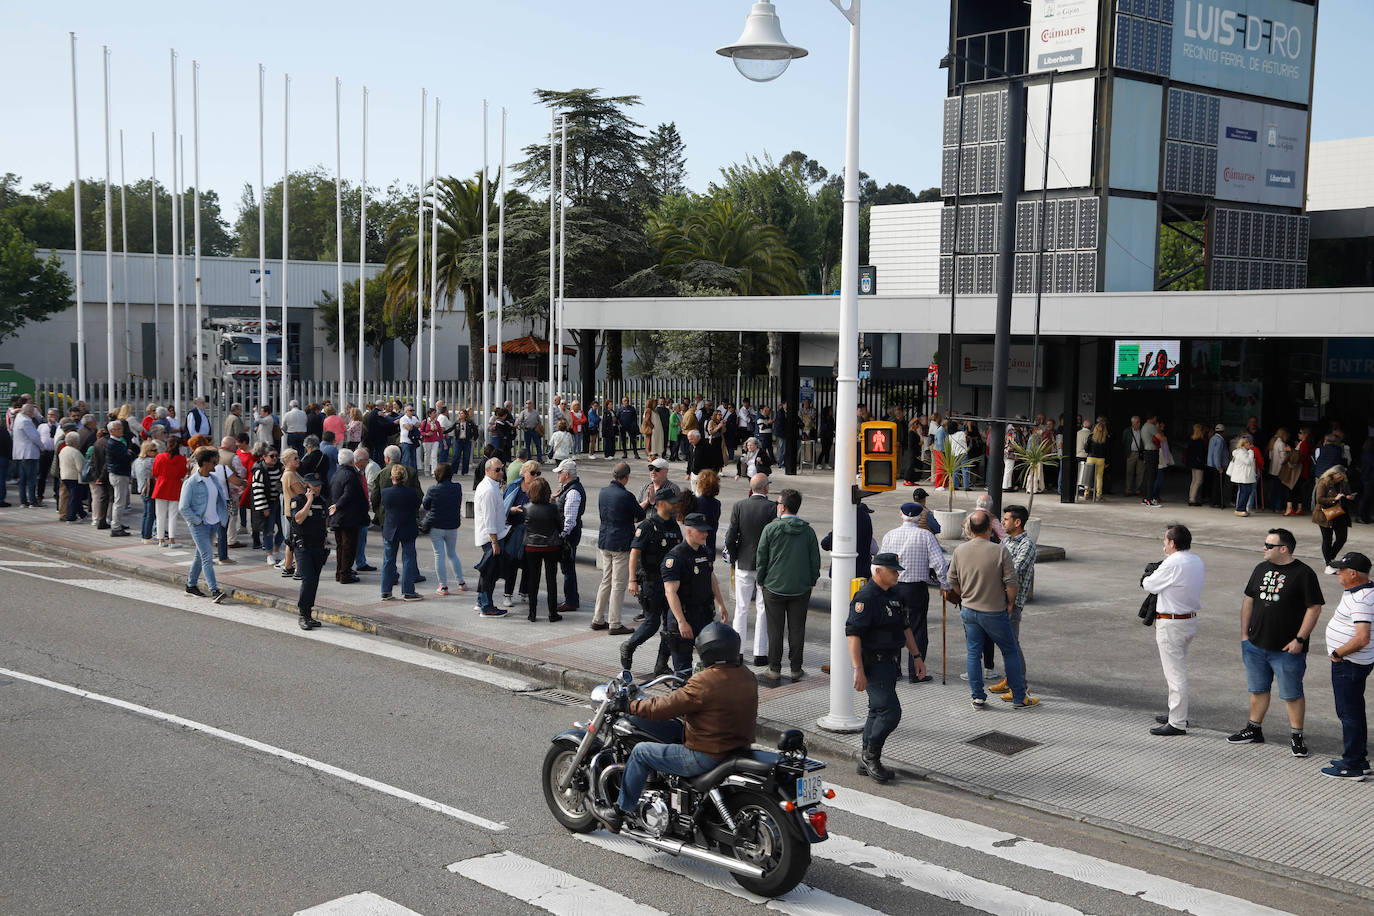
{"points": [[879, 474], [1146, 364]]}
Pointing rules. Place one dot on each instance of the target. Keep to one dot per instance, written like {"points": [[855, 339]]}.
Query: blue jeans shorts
{"points": [[1262, 666]]}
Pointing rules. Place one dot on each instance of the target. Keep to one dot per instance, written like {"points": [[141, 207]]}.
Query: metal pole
{"points": [[562, 251], [181, 250], [841, 716], [157, 330], [262, 246], [338, 235], [109, 244], [178, 368], [124, 241], [954, 256], [1040, 254], [362, 264], [553, 231], [434, 252], [420, 259], [76, 204], [1006, 257], [497, 395], [486, 286], [195, 159], [285, 238]]}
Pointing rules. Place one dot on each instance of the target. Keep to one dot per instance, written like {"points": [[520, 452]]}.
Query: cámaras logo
{"points": [[1230, 175]]}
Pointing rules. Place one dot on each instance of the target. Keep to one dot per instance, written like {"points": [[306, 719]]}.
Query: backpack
{"points": [[87, 469]]}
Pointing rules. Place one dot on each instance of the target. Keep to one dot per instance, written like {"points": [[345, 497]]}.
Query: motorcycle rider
{"points": [[689, 584], [720, 705], [877, 630], [654, 537]]}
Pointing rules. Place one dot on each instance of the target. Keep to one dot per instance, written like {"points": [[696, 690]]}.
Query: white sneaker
{"points": [[1330, 570], [508, 600]]}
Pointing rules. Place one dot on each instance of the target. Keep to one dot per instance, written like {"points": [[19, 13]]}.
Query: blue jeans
{"points": [[1245, 492], [649, 757], [408, 567], [462, 454], [884, 709], [361, 559], [407, 454], [28, 481], [1347, 686], [149, 517], [534, 445], [981, 626], [222, 534], [1263, 665], [203, 536], [445, 541], [578, 440], [963, 477], [567, 561], [272, 537], [445, 449]]}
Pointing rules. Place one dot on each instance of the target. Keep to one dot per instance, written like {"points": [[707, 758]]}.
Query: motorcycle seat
{"points": [[742, 764]]}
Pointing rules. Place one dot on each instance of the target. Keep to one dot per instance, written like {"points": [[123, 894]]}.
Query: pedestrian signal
{"points": [[878, 456]]}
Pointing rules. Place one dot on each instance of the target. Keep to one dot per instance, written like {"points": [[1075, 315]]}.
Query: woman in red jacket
{"points": [[169, 470]]}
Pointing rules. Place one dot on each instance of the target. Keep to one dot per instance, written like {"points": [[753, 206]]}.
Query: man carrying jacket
{"points": [[789, 563]]}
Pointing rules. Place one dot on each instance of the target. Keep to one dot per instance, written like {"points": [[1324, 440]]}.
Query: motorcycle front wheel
{"points": [[769, 838], [569, 806]]}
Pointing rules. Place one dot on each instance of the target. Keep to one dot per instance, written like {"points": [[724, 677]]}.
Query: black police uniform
{"points": [[691, 569], [653, 538], [879, 618], [308, 540]]}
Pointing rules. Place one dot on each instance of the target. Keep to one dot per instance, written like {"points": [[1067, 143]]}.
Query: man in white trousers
{"points": [[747, 521], [1178, 583]]}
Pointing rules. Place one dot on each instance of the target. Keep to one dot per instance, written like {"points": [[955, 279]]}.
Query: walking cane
{"points": [[944, 655]]}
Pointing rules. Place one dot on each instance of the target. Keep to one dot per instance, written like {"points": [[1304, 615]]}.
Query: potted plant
{"points": [[1031, 459], [952, 465]]}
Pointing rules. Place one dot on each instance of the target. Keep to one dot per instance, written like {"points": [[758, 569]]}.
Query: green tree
{"points": [[377, 329], [1181, 256], [390, 215], [755, 258], [31, 288], [665, 163]]}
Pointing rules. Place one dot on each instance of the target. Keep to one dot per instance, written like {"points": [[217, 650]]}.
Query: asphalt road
{"points": [[112, 810]]}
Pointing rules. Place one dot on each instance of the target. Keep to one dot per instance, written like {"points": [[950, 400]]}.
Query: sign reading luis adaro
{"points": [[1063, 35], [1260, 47]]}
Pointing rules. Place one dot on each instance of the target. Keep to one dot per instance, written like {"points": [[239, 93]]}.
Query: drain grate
{"points": [[1002, 743], [557, 697]]}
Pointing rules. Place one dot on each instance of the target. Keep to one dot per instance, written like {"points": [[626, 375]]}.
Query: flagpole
{"points": [[177, 367], [262, 247], [486, 285], [338, 230], [157, 330], [109, 244], [285, 239], [181, 250], [562, 246], [420, 258], [498, 392], [195, 174], [362, 263], [124, 241], [553, 231], [76, 198], [433, 251]]}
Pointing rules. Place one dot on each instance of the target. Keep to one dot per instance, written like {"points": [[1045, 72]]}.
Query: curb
{"points": [[573, 679]]}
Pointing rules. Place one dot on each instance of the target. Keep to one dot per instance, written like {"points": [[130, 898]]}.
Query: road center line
{"points": [[310, 762]]}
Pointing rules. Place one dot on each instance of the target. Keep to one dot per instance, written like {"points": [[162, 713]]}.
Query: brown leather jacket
{"points": [[720, 705]]}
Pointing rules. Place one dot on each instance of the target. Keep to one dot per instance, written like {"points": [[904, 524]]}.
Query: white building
{"points": [[904, 245]]}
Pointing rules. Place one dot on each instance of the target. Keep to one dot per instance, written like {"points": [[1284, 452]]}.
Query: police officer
{"points": [[689, 584], [877, 629], [654, 537], [308, 529]]}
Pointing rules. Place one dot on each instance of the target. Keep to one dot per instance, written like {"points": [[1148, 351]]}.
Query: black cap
{"points": [[887, 559], [313, 480], [1352, 560], [698, 521], [666, 493]]}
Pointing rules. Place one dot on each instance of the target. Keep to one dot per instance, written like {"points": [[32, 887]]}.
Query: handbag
{"points": [[1331, 513]]}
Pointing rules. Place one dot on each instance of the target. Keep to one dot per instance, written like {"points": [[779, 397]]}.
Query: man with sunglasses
{"points": [[1283, 600]]}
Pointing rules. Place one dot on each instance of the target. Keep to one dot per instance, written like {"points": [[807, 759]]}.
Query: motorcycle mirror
{"points": [[626, 677], [599, 693]]}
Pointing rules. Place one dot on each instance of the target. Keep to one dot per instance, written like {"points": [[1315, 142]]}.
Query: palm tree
{"points": [[754, 254]]}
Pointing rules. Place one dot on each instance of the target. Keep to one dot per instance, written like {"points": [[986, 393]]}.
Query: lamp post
{"points": [[762, 54]]}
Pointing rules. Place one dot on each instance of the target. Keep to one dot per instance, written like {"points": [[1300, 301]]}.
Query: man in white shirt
{"points": [[922, 559], [197, 420], [295, 426], [1178, 584], [1352, 657], [488, 528]]}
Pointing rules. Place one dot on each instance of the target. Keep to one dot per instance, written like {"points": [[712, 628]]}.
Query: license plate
{"points": [[809, 789]]}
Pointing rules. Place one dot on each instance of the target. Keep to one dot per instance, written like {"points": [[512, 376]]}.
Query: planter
{"points": [[951, 523], [1033, 529]]}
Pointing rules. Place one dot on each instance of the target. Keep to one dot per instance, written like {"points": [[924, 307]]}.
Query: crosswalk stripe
{"points": [[35, 564], [1134, 882], [803, 900], [547, 888], [936, 880], [363, 904]]}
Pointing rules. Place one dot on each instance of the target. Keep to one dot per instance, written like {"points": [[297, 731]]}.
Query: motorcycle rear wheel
{"points": [[769, 838], [568, 807]]}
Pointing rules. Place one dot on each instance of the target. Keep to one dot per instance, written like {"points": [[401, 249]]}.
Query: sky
{"points": [[500, 50]]}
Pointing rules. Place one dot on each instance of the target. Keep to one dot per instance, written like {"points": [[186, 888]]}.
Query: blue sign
{"points": [[1349, 360], [1244, 134], [1259, 47]]}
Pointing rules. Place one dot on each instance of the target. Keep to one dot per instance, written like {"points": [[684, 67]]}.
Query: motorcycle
{"points": [[755, 815]]}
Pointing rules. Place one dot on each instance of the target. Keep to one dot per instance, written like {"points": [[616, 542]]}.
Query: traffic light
{"points": [[878, 456]]}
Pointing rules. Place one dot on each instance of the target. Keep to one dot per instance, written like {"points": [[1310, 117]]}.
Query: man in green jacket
{"points": [[788, 565]]}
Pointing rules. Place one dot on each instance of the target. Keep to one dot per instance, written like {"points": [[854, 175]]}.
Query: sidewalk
{"points": [[1090, 755]]}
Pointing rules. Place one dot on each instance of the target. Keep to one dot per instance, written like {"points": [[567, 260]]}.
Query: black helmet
{"points": [[717, 642]]}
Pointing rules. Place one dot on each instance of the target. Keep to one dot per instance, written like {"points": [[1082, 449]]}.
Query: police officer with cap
{"points": [[654, 537], [308, 529], [689, 584], [877, 629]]}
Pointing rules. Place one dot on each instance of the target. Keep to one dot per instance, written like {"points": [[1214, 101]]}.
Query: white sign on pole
{"points": [[1063, 35]]}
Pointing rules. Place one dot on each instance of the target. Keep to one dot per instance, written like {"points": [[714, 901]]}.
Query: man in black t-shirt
{"points": [[1283, 600]]}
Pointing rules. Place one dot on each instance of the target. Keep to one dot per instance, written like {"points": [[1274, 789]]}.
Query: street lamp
{"points": [[763, 54]]}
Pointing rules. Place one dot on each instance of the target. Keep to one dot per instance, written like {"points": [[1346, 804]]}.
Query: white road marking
{"points": [[803, 900], [935, 880], [269, 619], [34, 564], [547, 888], [319, 765], [363, 904], [1133, 882]]}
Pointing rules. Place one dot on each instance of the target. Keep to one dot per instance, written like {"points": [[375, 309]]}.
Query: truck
{"points": [[233, 347]]}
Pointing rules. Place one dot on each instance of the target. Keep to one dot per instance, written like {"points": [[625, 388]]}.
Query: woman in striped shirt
{"points": [[266, 486]]}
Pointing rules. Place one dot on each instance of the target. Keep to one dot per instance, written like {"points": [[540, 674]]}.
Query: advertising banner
{"points": [[1063, 35], [1258, 47], [975, 366], [1146, 364], [1261, 153]]}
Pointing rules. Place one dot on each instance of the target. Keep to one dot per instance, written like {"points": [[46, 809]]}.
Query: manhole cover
{"points": [[557, 697], [1002, 743]]}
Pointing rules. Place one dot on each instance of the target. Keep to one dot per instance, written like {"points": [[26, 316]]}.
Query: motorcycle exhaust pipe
{"points": [[679, 848]]}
